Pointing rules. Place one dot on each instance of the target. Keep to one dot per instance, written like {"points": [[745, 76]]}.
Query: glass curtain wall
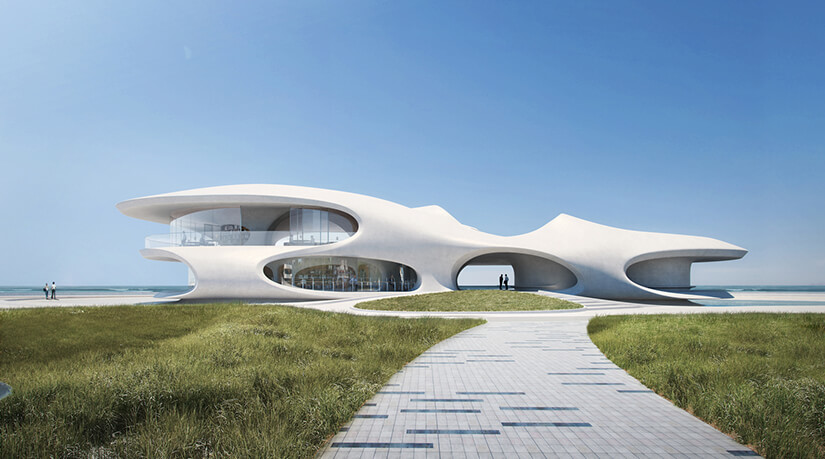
{"points": [[318, 226], [297, 226], [342, 274], [205, 227], [308, 226]]}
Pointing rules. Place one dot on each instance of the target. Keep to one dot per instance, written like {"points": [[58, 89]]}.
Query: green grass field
{"points": [[470, 300], [215, 380], [758, 377]]}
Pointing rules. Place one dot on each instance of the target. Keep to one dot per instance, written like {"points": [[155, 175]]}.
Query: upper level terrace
{"points": [[251, 226]]}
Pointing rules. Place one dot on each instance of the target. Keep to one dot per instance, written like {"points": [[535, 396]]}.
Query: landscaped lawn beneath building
{"points": [[470, 300], [758, 377], [230, 380]]}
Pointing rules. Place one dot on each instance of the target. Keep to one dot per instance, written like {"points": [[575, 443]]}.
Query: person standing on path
{"points": [[54, 290], [506, 281], [500, 280], [46, 290]]}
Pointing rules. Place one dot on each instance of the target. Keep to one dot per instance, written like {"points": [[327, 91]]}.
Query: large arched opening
{"points": [[662, 273], [484, 277], [529, 272]]}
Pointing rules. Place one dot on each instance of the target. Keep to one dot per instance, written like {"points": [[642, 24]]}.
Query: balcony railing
{"points": [[235, 238]]}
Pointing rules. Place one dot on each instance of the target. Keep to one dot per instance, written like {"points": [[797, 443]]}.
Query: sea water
{"points": [[764, 288]]}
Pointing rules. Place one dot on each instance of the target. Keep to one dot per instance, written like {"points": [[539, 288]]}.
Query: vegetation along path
{"points": [[758, 376], [213, 380]]}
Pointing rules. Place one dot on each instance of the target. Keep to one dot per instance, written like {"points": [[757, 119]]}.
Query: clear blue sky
{"points": [[702, 118]]}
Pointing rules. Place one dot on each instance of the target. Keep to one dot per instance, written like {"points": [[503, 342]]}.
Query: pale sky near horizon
{"points": [[702, 118]]}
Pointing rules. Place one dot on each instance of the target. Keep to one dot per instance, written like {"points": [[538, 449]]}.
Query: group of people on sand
{"points": [[503, 280], [53, 290]]}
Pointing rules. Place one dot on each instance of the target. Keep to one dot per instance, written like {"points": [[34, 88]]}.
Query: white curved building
{"points": [[275, 242]]}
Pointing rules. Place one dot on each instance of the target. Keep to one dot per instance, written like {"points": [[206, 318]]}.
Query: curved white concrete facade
{"points": [[567, 254]]}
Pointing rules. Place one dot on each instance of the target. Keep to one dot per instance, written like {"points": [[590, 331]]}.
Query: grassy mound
{"points": [[470, 300], [757, 377], [202, 380]]}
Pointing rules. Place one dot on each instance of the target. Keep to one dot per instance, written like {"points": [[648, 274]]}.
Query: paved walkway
{"points": [[523, 388]]}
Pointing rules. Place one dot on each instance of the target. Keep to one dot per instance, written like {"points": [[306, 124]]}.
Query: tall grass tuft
{"points": [[215, 380], [758, 377]]}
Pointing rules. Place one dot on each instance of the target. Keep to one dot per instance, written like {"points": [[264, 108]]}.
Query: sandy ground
{"points": [[16, 302], [592, 306]]}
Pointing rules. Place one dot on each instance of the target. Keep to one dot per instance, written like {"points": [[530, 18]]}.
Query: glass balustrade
{"points": [[235, 238]]}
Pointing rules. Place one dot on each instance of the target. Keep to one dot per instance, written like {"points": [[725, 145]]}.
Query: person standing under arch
{"points": [[506, 281], [500, 281]]}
